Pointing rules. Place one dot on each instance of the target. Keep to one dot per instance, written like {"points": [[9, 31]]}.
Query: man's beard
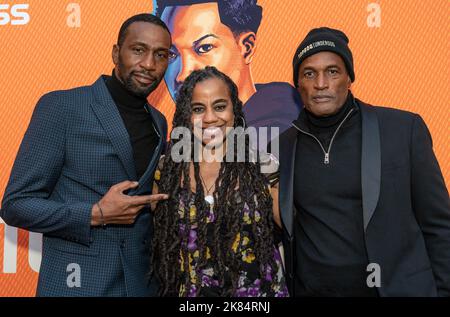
{"points": [[140, 91], [133, 88]]}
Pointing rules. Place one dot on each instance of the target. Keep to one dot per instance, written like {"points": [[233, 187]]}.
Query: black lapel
{"points": [[111, 121], [158, 125], [288, 144], [370, 161]]}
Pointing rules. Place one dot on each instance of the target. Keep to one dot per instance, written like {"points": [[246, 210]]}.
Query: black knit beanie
{"points": [[324, 39]]}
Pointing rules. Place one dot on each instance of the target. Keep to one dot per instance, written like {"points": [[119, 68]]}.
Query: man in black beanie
{"points": [[364, 207]]}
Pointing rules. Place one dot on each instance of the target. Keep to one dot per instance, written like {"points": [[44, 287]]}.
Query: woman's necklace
{"points": [[208, 197]]}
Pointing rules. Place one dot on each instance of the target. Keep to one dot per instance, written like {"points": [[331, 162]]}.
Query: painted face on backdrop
{"points": [[200, 39], [323, 83], [211, 106], [142, 59]]}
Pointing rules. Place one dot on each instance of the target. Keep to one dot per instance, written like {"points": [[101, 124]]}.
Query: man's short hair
{"points": [[143, 17], [238, 15]]}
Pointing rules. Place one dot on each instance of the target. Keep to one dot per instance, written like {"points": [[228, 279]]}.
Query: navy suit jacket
{"points": [[406, 207], [76, 147]]}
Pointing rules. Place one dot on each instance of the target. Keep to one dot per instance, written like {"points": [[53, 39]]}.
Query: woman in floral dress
{"points": [[214, 236]]}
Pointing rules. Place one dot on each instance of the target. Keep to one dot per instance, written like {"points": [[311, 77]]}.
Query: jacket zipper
{"points": [[326, 153]]}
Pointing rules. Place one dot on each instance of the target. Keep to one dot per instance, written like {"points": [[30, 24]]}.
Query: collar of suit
{"points": [[111, 121]]}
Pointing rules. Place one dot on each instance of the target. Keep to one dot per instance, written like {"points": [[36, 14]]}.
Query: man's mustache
{"points": [[145, 74]]}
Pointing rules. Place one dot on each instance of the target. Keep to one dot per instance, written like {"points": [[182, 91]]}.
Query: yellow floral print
{"points": [[247, 219], [157, 175], [236, 242], [248, 256], [192, 212]]}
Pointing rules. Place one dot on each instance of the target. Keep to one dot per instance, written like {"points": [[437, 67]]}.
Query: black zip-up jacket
{"points": [[405, 203]]}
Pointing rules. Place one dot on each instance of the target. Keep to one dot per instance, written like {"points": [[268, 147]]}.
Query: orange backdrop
{"points": [[402, 60]]}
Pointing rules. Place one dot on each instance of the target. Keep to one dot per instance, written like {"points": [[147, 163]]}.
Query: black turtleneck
{"points": [[329, 231], [138, 123], [324, 127]]}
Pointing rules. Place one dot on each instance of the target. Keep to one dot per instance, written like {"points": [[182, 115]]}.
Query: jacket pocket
{"points": [[66, 246]]}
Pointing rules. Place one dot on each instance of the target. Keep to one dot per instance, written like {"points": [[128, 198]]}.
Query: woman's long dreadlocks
{"points": [[170, 243]]}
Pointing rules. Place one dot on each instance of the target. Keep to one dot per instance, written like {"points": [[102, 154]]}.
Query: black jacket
{"points": [[406, 207]]}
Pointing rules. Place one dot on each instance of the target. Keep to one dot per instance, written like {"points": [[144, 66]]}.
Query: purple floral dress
{"points": [[250, 283]]}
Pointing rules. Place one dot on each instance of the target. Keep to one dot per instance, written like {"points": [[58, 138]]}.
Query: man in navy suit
{"points": [[84, 171]]}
